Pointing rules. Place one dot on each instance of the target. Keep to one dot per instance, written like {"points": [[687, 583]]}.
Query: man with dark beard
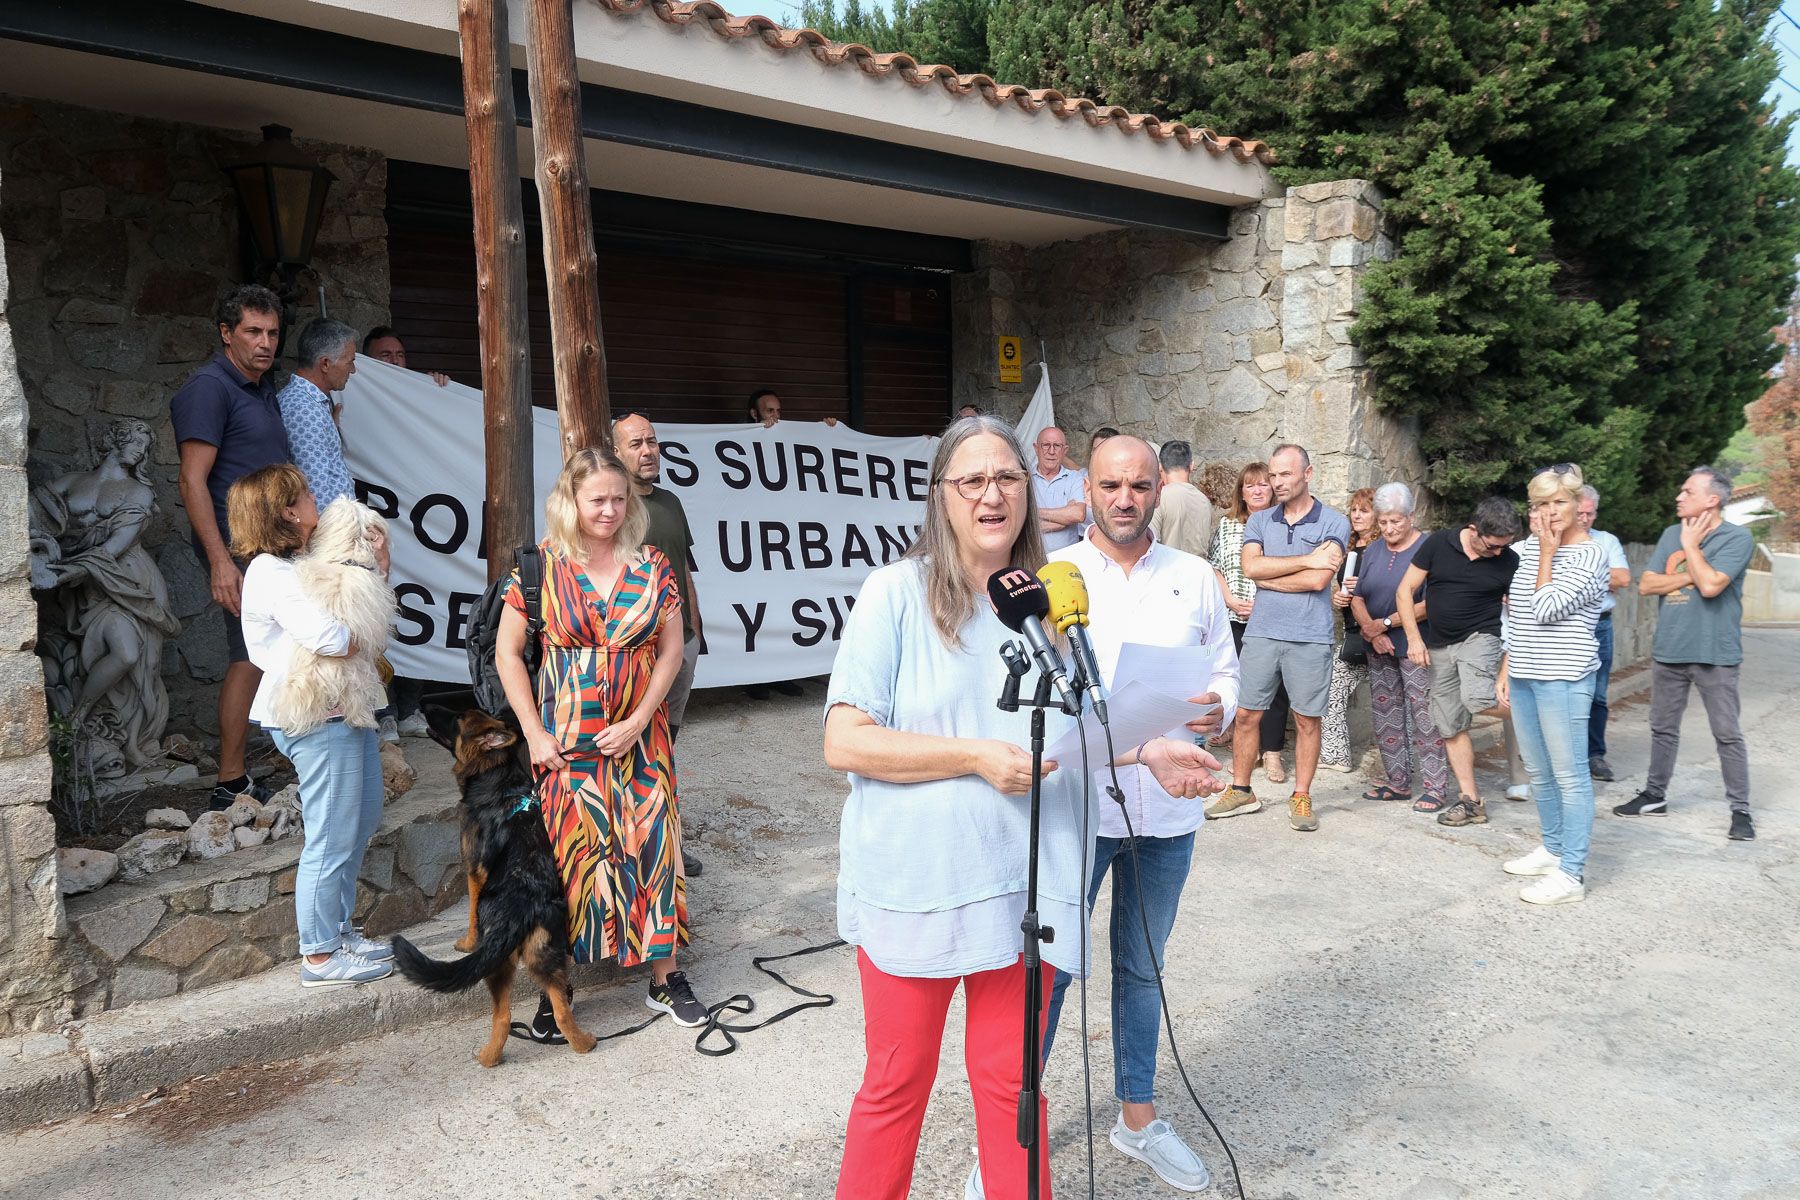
{"points": [[1140, 590]]}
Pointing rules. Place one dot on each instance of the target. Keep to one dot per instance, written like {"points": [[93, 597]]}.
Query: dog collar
{"points": [[527, 802]]}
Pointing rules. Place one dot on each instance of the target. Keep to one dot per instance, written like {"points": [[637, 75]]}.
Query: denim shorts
{"points": [[1265, 664]]}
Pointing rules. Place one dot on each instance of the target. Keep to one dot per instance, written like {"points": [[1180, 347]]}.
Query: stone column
{"points": [[36, 985], [1332, 233]]}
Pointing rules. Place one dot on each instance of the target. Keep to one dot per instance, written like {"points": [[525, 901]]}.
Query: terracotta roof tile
{"points": [[1030, 100]]}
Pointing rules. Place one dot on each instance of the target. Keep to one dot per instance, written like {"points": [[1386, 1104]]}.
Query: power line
{"points": [[1788, 19]]}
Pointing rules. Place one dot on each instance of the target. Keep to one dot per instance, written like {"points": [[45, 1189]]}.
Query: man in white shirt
{"points": [[1142, 591], [1059, 489], [1619, 577]]}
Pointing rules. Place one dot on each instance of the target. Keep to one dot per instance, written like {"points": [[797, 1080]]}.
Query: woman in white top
{"points": [[933, 849], [273, 516], [1548, 674]]}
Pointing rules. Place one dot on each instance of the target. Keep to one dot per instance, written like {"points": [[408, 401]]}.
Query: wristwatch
{"points": [[1387, 622]]}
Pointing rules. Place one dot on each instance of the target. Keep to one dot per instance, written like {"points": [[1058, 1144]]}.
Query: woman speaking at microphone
{"points": [[935, 838]]}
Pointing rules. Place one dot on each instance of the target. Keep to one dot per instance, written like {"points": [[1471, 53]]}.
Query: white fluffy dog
{"points": [[342, 573]]}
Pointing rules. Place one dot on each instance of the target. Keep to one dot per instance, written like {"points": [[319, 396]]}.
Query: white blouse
{"points": [[278, 616]]}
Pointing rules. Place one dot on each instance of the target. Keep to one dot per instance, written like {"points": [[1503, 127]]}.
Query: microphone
{"points": [[1069, 613], [1022, 604]]}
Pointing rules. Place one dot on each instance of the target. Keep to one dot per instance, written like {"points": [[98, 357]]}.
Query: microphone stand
{"points": [[1031, 1081]]}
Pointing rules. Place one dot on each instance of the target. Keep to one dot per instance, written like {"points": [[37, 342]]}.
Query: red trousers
{"points": [[903, 1028]]}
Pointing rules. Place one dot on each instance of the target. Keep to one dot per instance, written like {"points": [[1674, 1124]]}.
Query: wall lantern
{"points": [[283, 194]]}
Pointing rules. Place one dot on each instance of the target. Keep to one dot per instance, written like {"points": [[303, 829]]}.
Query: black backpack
{"points": [[484, 630]]}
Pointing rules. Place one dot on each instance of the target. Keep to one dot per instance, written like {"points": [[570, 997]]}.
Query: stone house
{"points": [[855, 230]]}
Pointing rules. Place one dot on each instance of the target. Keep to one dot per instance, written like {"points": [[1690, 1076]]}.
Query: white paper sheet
{"points": [[1178, 671], [1137, 713]]}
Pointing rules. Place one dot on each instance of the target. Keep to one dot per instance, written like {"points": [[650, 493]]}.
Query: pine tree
{"points": [[1595, 222], [1775, 420]]}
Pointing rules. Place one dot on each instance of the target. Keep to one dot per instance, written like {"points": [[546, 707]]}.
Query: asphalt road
{"points": [[1368, 1011]]}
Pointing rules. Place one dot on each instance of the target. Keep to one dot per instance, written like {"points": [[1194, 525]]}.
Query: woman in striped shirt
{"points": [[1548, 675]]}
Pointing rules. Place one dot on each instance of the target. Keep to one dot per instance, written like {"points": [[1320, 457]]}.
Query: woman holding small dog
{"points": [[316, 612], [597, 727]]}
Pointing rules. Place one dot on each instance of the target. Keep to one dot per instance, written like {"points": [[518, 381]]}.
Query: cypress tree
{"points": [[1595, 223]]}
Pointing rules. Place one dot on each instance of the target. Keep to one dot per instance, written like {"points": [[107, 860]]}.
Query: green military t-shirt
{"points": [[1689, 627], [669, 533]]}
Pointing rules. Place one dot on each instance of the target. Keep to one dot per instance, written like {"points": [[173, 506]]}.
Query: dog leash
{"points": [[738, 1005]]}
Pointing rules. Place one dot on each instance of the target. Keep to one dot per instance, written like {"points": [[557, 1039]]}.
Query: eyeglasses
{"points": [[1489, 547], [974, 487]]}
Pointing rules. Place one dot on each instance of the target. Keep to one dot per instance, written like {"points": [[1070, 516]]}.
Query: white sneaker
{"points": [[1519, 791], [972, 1186], [1538, 862], [341, 969], [1558, 887], [390, 732], [364, 947], [1159, 1145], [414, 726]]}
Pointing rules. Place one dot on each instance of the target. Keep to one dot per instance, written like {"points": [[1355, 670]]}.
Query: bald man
{"points": [[1059, 488], [1142, 591]]}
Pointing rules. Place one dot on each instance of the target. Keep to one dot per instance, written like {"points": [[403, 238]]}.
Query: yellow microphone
{"points": [[1068, 594], [1069, 613]]}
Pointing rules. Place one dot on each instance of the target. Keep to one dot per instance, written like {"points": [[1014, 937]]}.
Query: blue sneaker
{"points": [[342, 969], [368, 948]]}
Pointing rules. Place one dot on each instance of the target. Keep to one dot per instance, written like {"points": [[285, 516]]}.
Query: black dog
{"points": [[517, 910]]}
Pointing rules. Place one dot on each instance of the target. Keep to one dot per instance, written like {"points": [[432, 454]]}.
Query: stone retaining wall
{"points": [[207, 922]]}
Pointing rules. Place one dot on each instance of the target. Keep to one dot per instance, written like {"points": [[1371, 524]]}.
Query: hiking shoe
{"points": [[675, 997], [390, 730], [1234, 801], [1466, 811], [1742, 830], [1300, 816], [1519, 791], [1643, 805], [223, 797], [413, 726], [1159, 1145], [1538, 862], [368, 948], [341, 969], [1598, 768], [1558, 887]]}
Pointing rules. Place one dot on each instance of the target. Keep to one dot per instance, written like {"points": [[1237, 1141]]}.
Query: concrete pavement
{"points": [[1368, 1011]]}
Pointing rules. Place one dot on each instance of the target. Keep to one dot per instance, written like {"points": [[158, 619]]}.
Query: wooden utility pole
{"points": [[568, 219], [493, 127]]}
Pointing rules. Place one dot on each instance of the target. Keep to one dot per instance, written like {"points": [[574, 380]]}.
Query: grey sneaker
{"points": [[972, 1189], [341, 969], [1599, 769], [368, 948], [413, 726], [1159, 1145], [390, 730]]}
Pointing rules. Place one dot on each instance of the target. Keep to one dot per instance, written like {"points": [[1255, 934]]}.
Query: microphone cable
{"points": [[1118, 795], [1087, 873]]}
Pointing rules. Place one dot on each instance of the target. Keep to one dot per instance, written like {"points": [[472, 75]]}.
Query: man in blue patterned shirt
{"points": [[327, 356]]}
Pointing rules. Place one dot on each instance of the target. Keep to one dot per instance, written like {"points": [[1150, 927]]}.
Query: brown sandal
{"points": [[1273, 771]]}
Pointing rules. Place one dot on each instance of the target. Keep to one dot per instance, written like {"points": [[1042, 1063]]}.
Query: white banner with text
{"points": [[787, 522]]}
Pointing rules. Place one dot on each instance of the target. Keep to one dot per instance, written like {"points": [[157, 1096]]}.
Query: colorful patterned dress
{"points": [[612, 821]]}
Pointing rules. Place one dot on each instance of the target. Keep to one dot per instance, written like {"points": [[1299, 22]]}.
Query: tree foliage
{"points": [[1595, 223], [1775, 421], [954, 32]]}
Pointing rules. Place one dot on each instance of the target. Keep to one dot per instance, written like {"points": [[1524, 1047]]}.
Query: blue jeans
{"points": [[1550, 717], [340, 806], [1603, 634], [1162, 869]]}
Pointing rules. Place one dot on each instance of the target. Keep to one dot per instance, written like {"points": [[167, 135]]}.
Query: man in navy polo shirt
{"points": [[228, 424], [1292, 551]]}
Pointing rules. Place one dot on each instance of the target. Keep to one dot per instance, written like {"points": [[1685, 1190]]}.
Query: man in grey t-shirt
{"points": [[1587, 510], [1698, 571], [1292, 550]]}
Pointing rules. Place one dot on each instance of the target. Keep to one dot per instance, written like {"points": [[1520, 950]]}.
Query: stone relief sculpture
{"points": [[105, 612]]}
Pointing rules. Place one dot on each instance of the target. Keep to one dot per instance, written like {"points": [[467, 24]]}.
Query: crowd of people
{"points": [[1292, 606]]}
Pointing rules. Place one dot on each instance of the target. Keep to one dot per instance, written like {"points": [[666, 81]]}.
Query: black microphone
{"points": [[1022, 604]]}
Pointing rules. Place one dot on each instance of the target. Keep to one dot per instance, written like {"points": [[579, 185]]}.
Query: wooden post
{"points": [[568, 219], [499, 278]]}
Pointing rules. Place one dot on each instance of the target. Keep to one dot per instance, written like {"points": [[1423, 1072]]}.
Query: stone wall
{"points": [[35, 982], [123, 233], [1233, 346]]}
